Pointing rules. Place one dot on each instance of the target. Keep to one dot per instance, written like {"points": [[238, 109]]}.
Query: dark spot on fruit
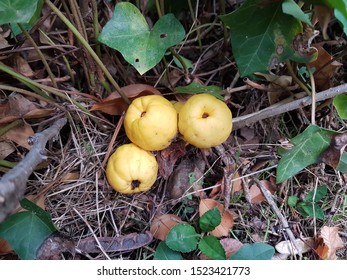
{"points": [[135, 184], [143, 113], [205, 115]]}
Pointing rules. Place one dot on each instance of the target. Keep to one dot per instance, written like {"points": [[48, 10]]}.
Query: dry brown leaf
{"points": [[19, 135], [301, 246], [227, 217], [114, 104], [22, 66], [255, 193], [331, 243], [5, 247], [322, 15], [161, 225], [332, 154], [323, 76], [230, 246], [6, 149]]}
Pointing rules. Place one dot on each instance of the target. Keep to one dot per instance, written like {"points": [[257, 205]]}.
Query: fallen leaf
{"points": [[22, 66], [331, 243], [115, 105], [161, 225], [255, 193], [19, 135], [5, 247], [230, 245], [227, 217], [322, 15], [128, 242], [186, 178], [71, 176], [332, 154], [54, 245], [168, 157], [300, 246], [6, 149], [323, 76]]}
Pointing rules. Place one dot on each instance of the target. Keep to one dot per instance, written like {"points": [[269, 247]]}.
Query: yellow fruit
{"points": [[131, 169], [151, 122], [205, 121], [177, 105]]}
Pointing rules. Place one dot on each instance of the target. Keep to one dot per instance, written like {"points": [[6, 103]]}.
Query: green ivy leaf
{"points": [[26, 231], [340, 103], [129, 33], [290, 7], [261, 35], [18, 11], [254, 251], [292, 200], [182, 238], [163, 252], [211, 247], [342, 167], [315, 196], [307, 210], [194, 88], [210, 220], [307, 149]]}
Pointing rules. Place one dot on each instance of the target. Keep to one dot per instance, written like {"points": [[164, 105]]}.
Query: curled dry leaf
{"points": [[5, 247], [121, 243], [227, 217], [332, 154], [230, 245], [301, 246], [54, 245], [167, 158], [330, 242], [114, 104], [255, 193], [323, 76], [161, 225]]}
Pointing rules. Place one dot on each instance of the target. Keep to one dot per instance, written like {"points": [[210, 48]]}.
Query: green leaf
{"points": [[211, 247], [25, 231], [290, 7], [182, 238], [17, 11], [340, 103], [163, 252], [308, 146], [315, 196], [210, 220], [194, 88], [254, 251], [186, 61], [129, 33], [342, 167], [340, 12], [261, 35], [307, 210], [292, 200]]}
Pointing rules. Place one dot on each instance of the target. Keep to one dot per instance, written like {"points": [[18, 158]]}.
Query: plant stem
{"points": [[313, 94], [88, 48], [296, 79], [39, 52]]}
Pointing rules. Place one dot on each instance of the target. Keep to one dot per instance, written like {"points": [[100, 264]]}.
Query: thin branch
{"points": [[286, 105], [283, 220], [13, 183]]}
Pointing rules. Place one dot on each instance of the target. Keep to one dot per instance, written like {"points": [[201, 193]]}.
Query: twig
{"points": [[286, 105], [313, 94], [278, 213], [13, 183]]}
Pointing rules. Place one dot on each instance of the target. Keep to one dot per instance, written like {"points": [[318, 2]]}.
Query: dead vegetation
{"points": [[71, 184]]}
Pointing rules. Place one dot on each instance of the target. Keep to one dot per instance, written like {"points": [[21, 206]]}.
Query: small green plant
{"points": [[310, 206], [184, 238]]}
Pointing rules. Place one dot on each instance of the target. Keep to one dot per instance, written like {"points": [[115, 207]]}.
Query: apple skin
{"points": [[151, 122], [205, 121]]}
